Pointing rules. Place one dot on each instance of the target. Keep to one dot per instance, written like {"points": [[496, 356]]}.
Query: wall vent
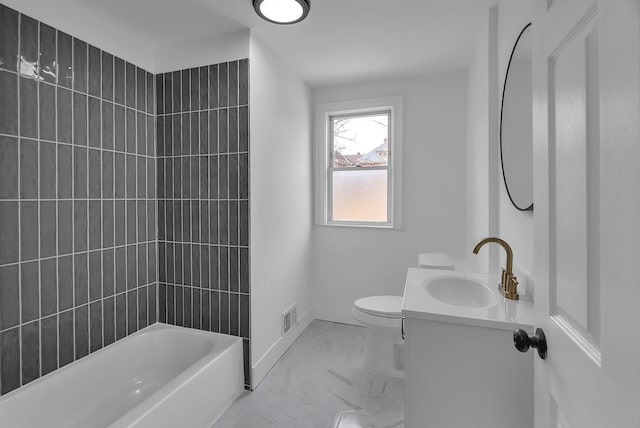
{"points": [[289, 319]]}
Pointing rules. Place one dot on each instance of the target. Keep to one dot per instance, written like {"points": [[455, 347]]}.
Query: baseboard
{"points": [[335, 314], [277, 350]]}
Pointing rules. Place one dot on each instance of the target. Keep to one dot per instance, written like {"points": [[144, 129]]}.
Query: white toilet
{"points": [[383, 352]]}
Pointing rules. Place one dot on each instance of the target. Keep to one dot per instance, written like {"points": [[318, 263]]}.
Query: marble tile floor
{"points": [[320, 383]]}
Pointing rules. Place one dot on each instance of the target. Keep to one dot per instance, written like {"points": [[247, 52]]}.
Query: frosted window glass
{"points": [[360, 195]]}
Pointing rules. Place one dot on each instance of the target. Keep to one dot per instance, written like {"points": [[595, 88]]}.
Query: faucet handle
{"points": [[511, 287]]}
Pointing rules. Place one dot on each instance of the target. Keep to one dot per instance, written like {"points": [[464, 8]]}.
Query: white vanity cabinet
{"points": [[462, 369]]}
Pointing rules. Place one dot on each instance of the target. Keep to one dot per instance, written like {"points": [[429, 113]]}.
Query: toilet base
{"points": [[384, 351]]}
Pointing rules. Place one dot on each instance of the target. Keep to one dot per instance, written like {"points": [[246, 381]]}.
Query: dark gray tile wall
{"points": [[203, 199], [78, 206]]}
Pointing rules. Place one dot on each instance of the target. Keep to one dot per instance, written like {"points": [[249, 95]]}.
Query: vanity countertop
{"points": [[505, 314]]}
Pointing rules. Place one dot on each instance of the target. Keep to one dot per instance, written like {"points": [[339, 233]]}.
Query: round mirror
{"points": [[516, 127]]}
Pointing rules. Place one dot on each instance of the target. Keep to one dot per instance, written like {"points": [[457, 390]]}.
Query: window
{"points": [[359, 148]]}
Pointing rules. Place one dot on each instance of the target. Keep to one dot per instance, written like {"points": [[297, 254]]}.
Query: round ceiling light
{"points": [[282, 11]]}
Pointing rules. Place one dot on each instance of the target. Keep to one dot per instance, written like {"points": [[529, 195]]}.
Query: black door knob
{"points": [[523, 342]]}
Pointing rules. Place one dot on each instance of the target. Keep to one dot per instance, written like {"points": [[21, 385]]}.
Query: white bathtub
{"points": [[161, 376]]}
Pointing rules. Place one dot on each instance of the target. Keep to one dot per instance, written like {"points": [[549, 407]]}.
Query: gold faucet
{"points": [[508, 281]]}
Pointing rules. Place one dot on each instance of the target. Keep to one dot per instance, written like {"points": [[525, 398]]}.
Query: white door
{"points": [[587, 212]]}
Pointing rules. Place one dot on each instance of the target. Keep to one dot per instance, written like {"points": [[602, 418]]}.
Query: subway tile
{"points": [[204, 88], [80, 172], [224, 268], [95, 275], [141, 133], [233, 83], [243, 176], [203, 178], [10, 360], [234, 256], [223, 85], [223, 131], [81, 316], [141, 89], [65, 227], [204, 133], [107, 125], [213, 132], [64, 116], [65, 57], [141, 180], [161, 220], [195, 266], [109, 326], [214, 236], [215, 311], [120, 176], [49, 338], [196, 309], [8, 103], [121, 316], [243, 82], [177, 92], [168, 93], [178, 259], [171, 305], [132, 312], [65, 283], [152, 189], [131, 130], [233, 130], [95, 332], [194, 190], [195, 221], [152, 267], [162, 261], [244, 270], [9, 296], [223, 177], [195, 89], [244, 316], [29, 291], [28, 64], [244, 223], [95, 127], [243, 129], [107, 174], [95, 224], [187, 263], [130, 85], [224, 313], [205, 267], [169, 221], [214, 262], [204, 222], [213, 86], [233, 176], [179, 317], [48, 229], [168, 135], [143, 308], [118, 81], [9, 242], [132, 278], [159, 78], [80, 279], [142, 264], [142, 221], [28, 169], [234, 317], [47, 170], [79, 119], [8, 38], [65, 171], [95, 174], [8, 163], [28, 108], [131, 176], [183, 217], [213, 177], [120, 129], [65, 332], [121, 269], [108, 224], [30, 350], [185, 92], [194, 134], [151, 104], [206, 310], [223, 222], [28, 230], [47, 112], [80, 65], [180, 139], [131, 221], [108, 272], [187, 306], [107, 76], [162, 303], [80, 225], [95, 71]]}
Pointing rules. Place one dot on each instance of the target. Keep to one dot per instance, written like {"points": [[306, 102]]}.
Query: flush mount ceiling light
{"points": [[282, 11]]}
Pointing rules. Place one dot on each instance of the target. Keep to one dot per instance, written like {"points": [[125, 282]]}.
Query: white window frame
{"points": [[324, 112]]}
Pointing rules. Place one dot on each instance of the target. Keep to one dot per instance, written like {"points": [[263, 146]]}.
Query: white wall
{"points": [[281, 204], [357, 262], [516, 227]]}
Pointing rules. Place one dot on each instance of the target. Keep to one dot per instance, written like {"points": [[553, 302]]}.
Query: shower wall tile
{"points": [[64, 149], [203, 198]]}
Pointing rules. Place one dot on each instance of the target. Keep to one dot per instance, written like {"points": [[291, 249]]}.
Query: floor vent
{"points": [[289, 319]]}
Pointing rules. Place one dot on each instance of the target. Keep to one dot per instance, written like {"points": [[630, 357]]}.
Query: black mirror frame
{"points": [[504, 88]]}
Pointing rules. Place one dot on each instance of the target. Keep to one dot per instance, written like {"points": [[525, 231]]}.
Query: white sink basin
{"points": [[461, 291]]}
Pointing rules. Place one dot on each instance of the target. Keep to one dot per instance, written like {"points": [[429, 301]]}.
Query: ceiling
{"points": [[341, 41]]}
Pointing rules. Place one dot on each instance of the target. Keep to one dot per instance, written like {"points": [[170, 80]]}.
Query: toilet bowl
{"points": [[382, 316]]}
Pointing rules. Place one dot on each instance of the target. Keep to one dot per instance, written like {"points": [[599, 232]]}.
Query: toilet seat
{"points": [[380, 306]]}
